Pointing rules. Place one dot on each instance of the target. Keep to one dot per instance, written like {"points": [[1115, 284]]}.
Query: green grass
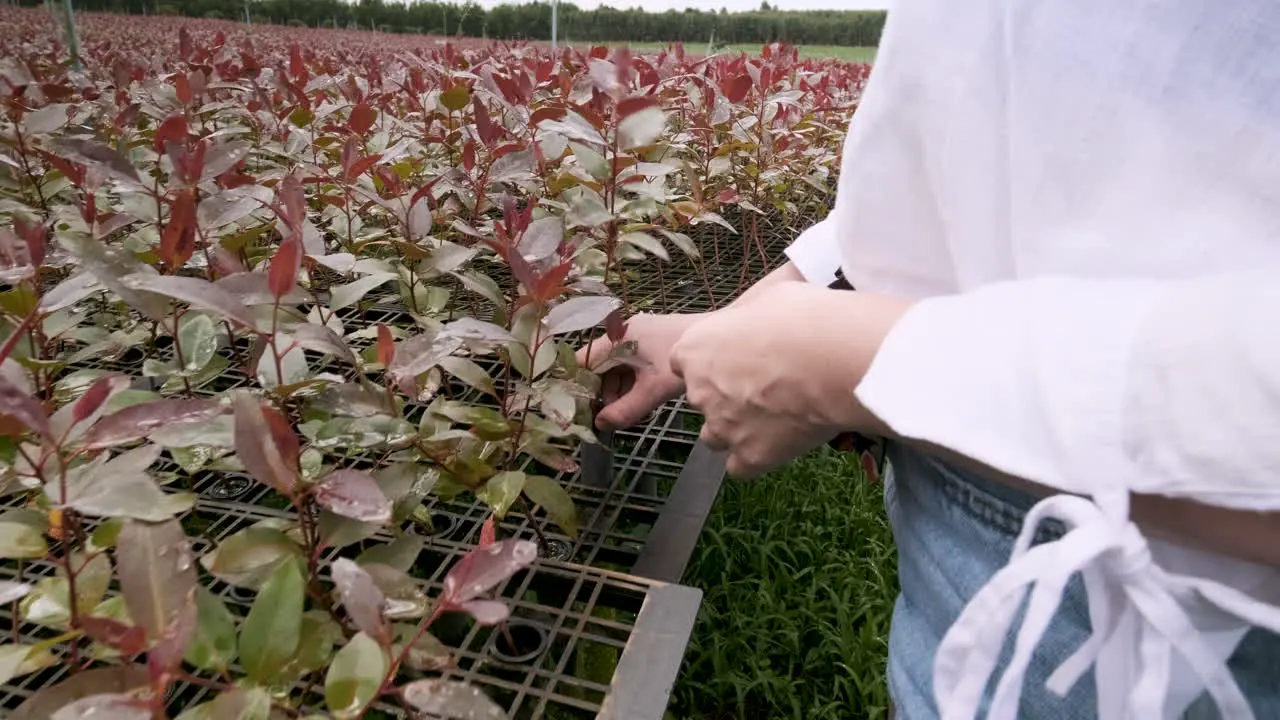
{"points": [[839, 52], [799, 574]]}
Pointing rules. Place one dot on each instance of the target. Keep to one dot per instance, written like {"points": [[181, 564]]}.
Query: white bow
{"points": [[1136, 610]]}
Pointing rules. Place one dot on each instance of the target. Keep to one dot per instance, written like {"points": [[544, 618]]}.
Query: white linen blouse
{"points": [[1084, 195]]}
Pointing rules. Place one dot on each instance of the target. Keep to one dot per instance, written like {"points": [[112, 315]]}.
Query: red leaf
{"points": [[362, 598], [523, 271], [488, 130], [614, 326], [359, 167], [736, 90], [258, 447], [34, 236], [137, 421], [386, 346], [185, 47], [22, 407], [632, 105], [549, 286], [507, 149], [129, 640], [545, 113], [92, 398], [294, 208], [173, 129], [870, 467], [362, 118], [226, 263], [296, 67], [178, 243], [158, 583], [353, 494], [487, 532], [284, 437], [483, 568], [283, 273], [469, 155], [183, 87]]}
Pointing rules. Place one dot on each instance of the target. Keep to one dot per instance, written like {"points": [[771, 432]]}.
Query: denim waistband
{"points": [[994, 504]]}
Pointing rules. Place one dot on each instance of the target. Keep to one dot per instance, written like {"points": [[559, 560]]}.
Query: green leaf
{"points": [[580, 313], [645, 242], [249, 557], [486, 423], [400, 553], [198, 341], [524, 328], [419, 354], [234, 704], [355, 676], [19, 660], [213, 646], [428, 653], [501, 491], [272, 630], [451, 698], [482, 285], [682, 241], [21, 541], [198, 293], [120, 487], [47, 604], [365, 432], [339, 532], [456, 97], [93, 577], [346, 295], [552, 497], [211, 371], [591, 161], [403, 596], [320, 634], [427, 298], [470, 373]]}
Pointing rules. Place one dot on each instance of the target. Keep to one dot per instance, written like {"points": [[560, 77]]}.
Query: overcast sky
{"points": [[731, 5]]}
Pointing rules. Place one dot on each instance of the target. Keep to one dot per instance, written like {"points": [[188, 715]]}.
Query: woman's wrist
{"points": [[856, 325]]}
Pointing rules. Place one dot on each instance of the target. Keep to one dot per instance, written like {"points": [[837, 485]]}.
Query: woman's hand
{"points": [[631, 394], [775, 376]]}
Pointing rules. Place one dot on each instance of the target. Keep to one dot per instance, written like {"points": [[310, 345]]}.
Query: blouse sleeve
{"points": [[816, 253], [1169, 387]]}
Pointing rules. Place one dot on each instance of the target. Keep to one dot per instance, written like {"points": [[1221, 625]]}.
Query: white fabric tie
{"points": [[1134, 607]]}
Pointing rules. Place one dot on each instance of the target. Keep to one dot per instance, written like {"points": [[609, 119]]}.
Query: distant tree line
{"points": [[531, 21]]}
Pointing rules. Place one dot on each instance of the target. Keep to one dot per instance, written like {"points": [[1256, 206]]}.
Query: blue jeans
{"points": [[954, 530]]}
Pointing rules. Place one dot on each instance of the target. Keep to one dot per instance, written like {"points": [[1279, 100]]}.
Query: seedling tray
{"points": [[588, 642]]}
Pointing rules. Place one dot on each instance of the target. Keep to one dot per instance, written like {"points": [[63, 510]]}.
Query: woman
{"points": [[1063, 220]]}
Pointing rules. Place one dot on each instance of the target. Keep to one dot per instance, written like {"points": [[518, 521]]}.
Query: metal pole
{"points": [[555, 4], [247, 20], [73, 40]]}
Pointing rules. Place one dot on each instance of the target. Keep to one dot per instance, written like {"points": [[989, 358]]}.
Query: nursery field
{"points": [[846, 53], [291, 422]]}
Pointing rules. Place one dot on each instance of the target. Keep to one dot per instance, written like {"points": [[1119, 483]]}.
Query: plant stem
{"points": [[177, 349]]}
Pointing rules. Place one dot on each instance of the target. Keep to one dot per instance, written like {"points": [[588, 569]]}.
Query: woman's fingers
{"points": [[594, 353]]}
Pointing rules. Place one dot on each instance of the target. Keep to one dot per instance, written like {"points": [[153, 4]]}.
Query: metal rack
{"points": [[590, 642]]}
